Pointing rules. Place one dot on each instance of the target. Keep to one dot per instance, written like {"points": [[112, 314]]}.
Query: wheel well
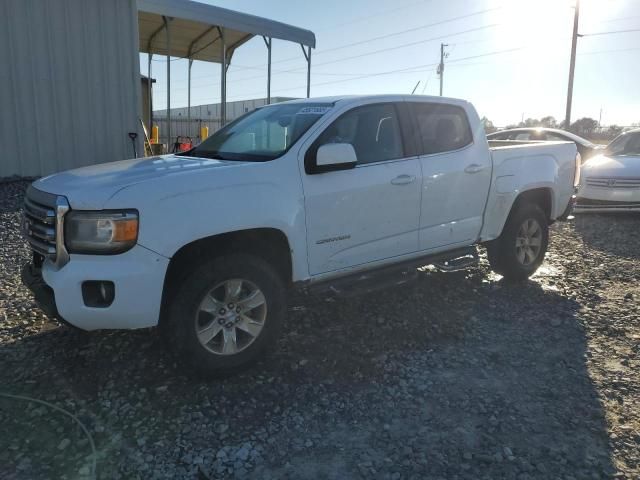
{"points": [[538, 196], [268, 243]]}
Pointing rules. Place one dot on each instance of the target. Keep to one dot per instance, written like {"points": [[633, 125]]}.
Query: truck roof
{"points": [[386, 98]]}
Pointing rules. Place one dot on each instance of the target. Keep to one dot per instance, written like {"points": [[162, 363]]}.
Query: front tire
{"points": [[521, 247], [226, 314]]}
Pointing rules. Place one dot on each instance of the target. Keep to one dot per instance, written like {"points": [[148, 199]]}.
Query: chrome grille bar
{"points": [[613, 182], [39, 212], [43, 224]]}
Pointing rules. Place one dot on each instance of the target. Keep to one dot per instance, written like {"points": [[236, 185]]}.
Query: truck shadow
{"points": [[614, 233], [477, 377]]}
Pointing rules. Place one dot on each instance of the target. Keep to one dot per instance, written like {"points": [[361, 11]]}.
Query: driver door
{"points": [[370, 212]]}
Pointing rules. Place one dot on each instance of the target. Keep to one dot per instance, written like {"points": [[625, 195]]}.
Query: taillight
{"points": [[576, 176]]}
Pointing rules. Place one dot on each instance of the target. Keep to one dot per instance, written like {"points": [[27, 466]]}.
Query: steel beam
{"points": [[189, 97], [197, 39], [168, 32], [149, 45], [223, 80], [267, 42], [307, 56], [149, 58], [153, 36], [190, 54]]}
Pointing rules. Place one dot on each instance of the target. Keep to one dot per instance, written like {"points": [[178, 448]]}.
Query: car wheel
{"points": [[521, 247], [225, 314]]}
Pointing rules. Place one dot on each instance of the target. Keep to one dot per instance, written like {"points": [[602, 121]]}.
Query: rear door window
{"points": [[441, 128]]}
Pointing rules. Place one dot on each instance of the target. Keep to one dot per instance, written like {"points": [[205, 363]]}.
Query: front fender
{"points": [[174, 213]]}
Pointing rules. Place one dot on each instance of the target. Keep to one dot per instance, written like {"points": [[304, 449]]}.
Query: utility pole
{"points": [[441, 66], [572, 66]]}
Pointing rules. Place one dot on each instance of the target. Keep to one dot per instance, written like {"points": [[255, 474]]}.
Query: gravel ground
{"points": [[455, 376]]}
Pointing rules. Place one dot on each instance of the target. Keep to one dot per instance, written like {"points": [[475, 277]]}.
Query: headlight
{"points": [[106, 233]]}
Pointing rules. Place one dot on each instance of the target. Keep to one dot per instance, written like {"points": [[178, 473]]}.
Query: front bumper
{"points": [[138, 277], [43, 294], [606, 199]]}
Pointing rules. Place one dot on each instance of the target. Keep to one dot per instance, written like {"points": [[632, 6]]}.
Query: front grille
{"points": [[613, 182], [42, 221], [588, 202], [40, 227]]}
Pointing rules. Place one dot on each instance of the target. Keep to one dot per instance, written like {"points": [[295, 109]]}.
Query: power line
{"points": [[617, 50], [362, 42], [425, 67], [367, 17], [609, 33], [410, 44], [401, 32], [414, 69], [428, 68], [375, 52], [389, 35], [298, 70]]}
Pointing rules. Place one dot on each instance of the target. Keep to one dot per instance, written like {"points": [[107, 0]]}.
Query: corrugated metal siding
{"points": [[69, 84], [204, 115], [212, 110]]}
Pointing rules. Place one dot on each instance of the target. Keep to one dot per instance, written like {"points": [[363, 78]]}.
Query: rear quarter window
{"points": [[441, 128]]}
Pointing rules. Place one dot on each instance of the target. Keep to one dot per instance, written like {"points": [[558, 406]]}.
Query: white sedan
{"points": [[611, 181]]}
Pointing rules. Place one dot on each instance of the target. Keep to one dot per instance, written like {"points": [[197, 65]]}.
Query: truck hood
{"points": [[618, 166], [89, 188]]}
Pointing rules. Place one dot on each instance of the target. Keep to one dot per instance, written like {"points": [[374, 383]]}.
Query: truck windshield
{"points": [[262, 135]]}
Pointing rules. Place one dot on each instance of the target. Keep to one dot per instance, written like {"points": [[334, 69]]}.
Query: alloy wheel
{"points": [[231, 316], [529, 242]]}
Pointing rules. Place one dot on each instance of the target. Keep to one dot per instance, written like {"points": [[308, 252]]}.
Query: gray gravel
{"points": [[456, 376]]}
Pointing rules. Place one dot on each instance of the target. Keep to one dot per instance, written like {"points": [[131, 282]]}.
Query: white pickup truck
{"points": [[340, 194]]}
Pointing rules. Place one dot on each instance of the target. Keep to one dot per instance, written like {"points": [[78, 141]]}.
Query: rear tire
{"points": [[521, 247], [225, 315]]}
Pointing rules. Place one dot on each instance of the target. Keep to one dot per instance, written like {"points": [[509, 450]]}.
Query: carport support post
{"points": [[223, 81], [166, 26], [307, 55], [149, 57], [267, 42], [189, 98]]}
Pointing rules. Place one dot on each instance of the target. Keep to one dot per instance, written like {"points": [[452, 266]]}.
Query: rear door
{"points": [[456, 175], [368, 213]]}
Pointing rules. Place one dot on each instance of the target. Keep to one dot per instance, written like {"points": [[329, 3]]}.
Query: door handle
{"points": [[474, 168], [403, 179]]}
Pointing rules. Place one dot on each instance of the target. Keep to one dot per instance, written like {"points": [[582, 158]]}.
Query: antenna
{"points": [[415, 88]]}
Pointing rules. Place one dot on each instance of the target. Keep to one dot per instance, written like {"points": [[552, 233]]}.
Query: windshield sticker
{"points": [[314, 110]]}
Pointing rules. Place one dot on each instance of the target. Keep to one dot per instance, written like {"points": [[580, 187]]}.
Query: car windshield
{"points": [[626, 144], [262, 135]]}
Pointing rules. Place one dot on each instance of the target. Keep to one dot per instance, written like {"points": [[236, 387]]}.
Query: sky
{"points": [[510, 58]]}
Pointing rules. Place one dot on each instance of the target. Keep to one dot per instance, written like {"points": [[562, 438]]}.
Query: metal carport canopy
{"points": [[198, 31]]}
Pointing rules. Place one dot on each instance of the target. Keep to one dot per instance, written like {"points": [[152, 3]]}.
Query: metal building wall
{"points": [[69, 84]]}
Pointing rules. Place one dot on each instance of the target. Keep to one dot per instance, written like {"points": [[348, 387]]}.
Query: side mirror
{"points": [[335, 156]]}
